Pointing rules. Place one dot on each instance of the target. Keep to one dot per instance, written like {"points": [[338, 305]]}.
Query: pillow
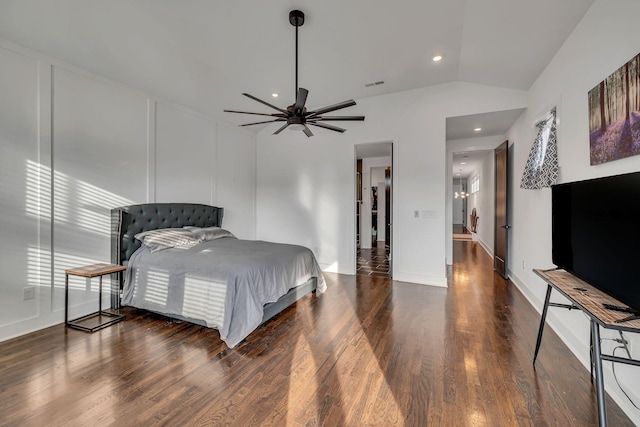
{"points": [[210, 233], [165, 238]]}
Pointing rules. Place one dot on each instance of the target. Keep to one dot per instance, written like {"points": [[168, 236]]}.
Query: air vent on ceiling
{"points": [[378, 83]]}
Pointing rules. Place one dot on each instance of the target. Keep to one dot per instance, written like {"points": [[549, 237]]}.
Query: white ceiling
{"points": [[364, 151], [495, 123], [205, 53], [467, 162], [491, 124]]}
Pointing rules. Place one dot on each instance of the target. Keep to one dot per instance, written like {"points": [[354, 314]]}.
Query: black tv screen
{"points": [[594, 233]]}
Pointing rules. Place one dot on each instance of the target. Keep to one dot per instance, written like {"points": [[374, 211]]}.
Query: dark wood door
{"points": [[501, 224], [387, 206]]}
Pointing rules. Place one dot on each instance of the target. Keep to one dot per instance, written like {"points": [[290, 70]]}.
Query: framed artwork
{"points": [[614, 115]]}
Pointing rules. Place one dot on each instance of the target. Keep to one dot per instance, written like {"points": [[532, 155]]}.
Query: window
{"points": [[475, 184]]}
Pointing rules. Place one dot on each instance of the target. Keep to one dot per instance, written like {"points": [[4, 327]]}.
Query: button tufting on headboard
{"points": [[127, 221]]}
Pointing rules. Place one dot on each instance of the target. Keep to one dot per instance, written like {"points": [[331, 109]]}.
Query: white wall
{"points": [[73, 146], [305, 186], [459, 185], [606, 38], [484, 202]]}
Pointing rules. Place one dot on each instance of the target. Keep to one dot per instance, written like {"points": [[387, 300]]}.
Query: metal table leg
{"points": [[542, 320], [66, 299], [100, 296], [597, 361]]}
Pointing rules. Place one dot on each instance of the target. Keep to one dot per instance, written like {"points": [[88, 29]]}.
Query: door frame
{"points": [[393, 156]]}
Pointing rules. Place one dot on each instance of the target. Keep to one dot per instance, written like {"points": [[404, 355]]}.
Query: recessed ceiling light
{"points": [[463, 163], [477, 129], [437, 58], [275, 95]]}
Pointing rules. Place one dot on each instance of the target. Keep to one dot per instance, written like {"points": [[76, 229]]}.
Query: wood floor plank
{"points": [[368, 352]]}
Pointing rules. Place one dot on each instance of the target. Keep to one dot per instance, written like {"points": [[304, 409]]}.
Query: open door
{"points": [[374, 209], [501, 224]]}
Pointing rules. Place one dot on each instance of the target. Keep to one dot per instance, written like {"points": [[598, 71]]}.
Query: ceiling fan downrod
{"points": [[296, 18]]}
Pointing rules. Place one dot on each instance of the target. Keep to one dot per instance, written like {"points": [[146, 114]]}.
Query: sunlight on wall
{"points": [[76, 202], [61, 203], [332, 268], [38, 187], [95, 204], [38, 266], [77, 205]]}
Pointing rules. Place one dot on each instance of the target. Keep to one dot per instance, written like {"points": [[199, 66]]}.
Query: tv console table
{"points": [[590, 301]]}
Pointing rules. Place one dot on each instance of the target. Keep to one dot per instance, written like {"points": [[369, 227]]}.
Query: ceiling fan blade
{"points": [[265, 103], [326, 126], [345, 104], [337, 118], [255, 114], [307, 131], [281, 129], [259, 123], [300, 100]]}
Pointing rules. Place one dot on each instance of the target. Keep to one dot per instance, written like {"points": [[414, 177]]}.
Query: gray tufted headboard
{"points": [[127, 221]]}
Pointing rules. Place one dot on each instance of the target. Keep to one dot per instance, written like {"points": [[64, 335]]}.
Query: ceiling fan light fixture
{"points": [[296, 116]]}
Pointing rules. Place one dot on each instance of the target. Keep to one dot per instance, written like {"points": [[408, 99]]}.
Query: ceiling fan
{"points": [[296, 116]]}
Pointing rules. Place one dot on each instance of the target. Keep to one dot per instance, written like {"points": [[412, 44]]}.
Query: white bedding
{"points": [[224, 283]]}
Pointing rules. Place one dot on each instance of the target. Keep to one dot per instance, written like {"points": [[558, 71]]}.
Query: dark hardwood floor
{"points": [[374, 261], [368, 352]]}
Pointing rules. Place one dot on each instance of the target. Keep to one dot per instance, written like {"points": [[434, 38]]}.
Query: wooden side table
{"points": [[90, 271], [591, 301]]}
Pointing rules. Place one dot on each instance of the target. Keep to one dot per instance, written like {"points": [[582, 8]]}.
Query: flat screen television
{"points": [[595, 233]]}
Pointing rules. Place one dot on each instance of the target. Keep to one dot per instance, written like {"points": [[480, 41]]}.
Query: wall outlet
{"points": [[416, 214], [28, 293]]}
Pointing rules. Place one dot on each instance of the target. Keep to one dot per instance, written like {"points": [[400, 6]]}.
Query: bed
{"points": [[216, 280]]}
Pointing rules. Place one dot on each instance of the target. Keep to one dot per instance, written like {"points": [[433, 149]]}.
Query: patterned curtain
{"points": [[542, 166]]}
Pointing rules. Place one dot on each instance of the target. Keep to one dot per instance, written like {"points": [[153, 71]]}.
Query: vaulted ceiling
{"points": [[205, 53]]}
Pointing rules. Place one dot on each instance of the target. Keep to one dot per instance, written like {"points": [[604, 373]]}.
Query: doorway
{"points": [[374, 209], [476, 135]]}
